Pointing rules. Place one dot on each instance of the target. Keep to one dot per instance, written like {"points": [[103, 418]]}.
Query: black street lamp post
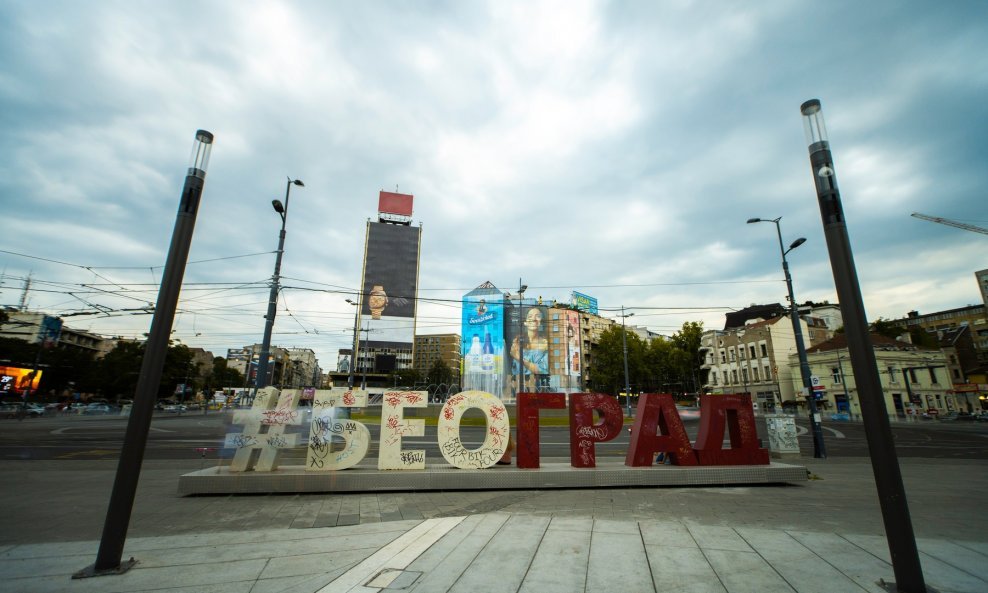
{"points": [[624, 348], [884, 462], [819, 449], [135, 439], [262, 365], [356, 344]]}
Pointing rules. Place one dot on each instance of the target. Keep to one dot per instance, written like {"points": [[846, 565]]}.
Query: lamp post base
{"points": [[91, 571]]}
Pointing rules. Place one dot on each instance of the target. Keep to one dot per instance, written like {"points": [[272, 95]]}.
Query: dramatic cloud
{"points": [[612, 148]]}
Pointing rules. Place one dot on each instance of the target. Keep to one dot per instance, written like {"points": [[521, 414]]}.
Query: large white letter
{"points": [[394, 426], [325, 426], [495, 441]]}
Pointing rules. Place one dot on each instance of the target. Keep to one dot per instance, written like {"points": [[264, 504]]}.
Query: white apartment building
{"points": [[754, 359]]}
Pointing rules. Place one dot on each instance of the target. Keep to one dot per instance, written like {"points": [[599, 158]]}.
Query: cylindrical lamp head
{"points": [[199, 158], [816, 129]]}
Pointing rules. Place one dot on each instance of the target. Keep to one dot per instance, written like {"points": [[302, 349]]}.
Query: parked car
{"points": [[34, 410], [981, 417], [175, 408], [98, 409], [11, 410]]}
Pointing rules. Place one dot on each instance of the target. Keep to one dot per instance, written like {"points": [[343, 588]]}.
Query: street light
{"points": [[881, 447], [262, 365], [356, 343], [819, 449], [121, 503], [520, 385], [624, 347]]}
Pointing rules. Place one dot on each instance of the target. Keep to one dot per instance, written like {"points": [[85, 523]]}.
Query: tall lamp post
{"points": [[520, 386], [262, 364], [135, 439], [356, 344], [624, 348], [871, 398], [819, 449]]}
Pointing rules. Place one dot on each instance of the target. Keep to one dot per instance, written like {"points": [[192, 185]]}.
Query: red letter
{"points": [[583, 433], [736, 407], [529, 405], [658, 410]]}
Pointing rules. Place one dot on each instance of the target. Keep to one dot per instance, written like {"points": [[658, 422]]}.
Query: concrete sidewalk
{"points": [[822, 535], [498, 552]]}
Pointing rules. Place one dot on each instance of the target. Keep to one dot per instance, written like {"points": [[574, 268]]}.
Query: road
{"points": [[184, 436]]}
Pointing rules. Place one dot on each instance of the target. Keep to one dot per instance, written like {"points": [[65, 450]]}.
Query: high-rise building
{"points": [[389, 288], [438, 347]]}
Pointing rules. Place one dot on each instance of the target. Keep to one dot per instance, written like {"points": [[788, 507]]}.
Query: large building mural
{"points": [[483, 340], [511, 346]]}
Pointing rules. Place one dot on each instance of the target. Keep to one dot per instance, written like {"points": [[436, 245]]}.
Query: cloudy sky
{"points": [[615, 148]]}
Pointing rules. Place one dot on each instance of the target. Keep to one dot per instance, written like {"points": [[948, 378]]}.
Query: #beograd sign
{"points": [[336, 444]]}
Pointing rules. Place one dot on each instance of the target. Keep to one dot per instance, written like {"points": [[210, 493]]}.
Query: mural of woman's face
{"points": [[533, 321]]}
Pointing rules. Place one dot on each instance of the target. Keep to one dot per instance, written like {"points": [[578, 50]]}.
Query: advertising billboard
{"points": [[395, 203], [574, 356], [527, 348], [390, 285], [16, 381], [483, 340], [584, 302]]}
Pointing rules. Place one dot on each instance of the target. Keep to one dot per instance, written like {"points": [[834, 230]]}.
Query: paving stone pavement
{"points": [[822, 535]]}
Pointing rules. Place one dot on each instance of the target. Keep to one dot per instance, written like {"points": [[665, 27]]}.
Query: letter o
{"points": [[496, 438]]}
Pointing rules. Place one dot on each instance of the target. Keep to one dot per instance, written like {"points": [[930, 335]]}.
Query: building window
{"points": [[754, 373], [744, 374], [933, 376], [555, 340], [713, 378], [741, 352], [734, 376], [751, 349], [912, 375], [892, 378], [957, 374], [726, 379], [835, 375], [768, 373], [732, 355], [723, 357], [764, 350]]}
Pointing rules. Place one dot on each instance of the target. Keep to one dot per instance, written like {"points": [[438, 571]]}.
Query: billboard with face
{"points": [[483, 341], [390, 284], [527, 348], [16, 381]]}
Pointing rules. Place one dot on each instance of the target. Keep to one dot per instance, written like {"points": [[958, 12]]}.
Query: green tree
{"points": [[406, 377], [120, 368], [607, 372], [440, 373], [224, 376], [687, 341]]}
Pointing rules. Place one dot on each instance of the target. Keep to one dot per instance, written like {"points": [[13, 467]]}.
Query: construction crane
{"points": [[948, 222]]}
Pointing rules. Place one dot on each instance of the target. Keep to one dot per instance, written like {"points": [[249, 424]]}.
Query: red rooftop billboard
{"points": [[395, 203]]}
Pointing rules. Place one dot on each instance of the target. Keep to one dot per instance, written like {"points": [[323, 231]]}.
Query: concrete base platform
{"points": [[294, 479]]}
